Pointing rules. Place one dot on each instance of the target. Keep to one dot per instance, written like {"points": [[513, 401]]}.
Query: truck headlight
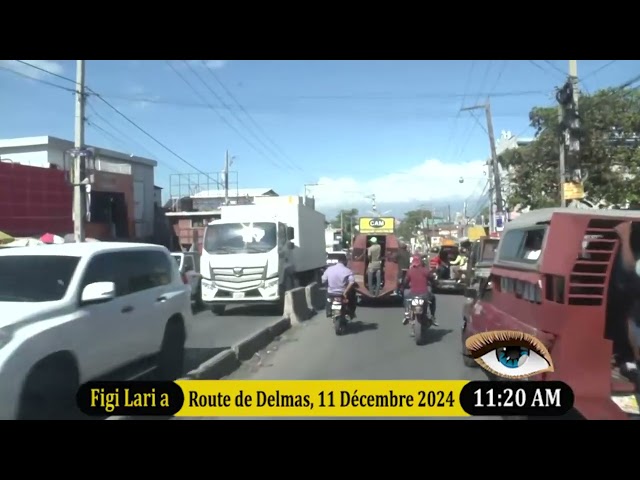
{"points": [[271, 282]]}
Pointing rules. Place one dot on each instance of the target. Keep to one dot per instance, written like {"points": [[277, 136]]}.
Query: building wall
{"points": [[46, 155], [26, 156]]}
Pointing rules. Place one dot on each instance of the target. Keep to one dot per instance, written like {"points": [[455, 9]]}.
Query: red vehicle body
{"points": [[359, 263], [561, 298]]}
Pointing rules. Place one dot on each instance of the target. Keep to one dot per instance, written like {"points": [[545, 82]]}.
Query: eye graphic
{"points": [[509, 354]]}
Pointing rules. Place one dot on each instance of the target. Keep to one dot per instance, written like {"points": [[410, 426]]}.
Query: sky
{"points": [[341, 130]]}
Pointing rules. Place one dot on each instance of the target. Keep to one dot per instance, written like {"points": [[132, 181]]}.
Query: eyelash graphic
{"points": [[509, 354]]}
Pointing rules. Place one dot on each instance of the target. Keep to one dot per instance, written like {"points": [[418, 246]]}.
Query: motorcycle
{"points": [[420, 318], [339, 314]]}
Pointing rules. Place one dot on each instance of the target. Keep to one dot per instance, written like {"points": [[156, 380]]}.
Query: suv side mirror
{"points": [[471, 293], [290, 233], [98, 292]]}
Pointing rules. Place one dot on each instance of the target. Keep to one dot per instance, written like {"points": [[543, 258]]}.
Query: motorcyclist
{"points": [[340, 282], [417, 284], [459, 264]]}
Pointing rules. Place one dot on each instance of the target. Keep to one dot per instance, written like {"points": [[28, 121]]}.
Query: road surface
{"points": [[210, 334], [378, 347]]}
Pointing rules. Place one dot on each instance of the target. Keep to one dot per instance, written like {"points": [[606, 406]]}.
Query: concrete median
{"points": [[315, 299], [295, 306]]}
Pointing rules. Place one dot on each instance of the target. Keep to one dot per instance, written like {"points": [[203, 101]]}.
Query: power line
{"points": [[222, 117], [598, 70], [239, 120], [249, 116], [122, 115]]}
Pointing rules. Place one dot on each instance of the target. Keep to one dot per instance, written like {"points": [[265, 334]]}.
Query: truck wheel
{"points": [[218, 309], [198, 300], [171, 356], [49, 391]]}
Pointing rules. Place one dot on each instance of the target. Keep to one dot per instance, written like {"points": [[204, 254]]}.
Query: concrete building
{"points": [[111, 166]]}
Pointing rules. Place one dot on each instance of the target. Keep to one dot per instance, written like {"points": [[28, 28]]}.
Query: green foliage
{"points": [[347, 220], [412, 221], [609, 152]]}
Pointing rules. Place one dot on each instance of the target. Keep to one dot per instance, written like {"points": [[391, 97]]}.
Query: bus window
{"points": [[522, 245]]}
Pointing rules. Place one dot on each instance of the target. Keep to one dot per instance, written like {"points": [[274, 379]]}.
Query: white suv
{"points": [[77, 312]]}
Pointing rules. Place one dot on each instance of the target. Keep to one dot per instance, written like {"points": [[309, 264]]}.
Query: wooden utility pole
{"points": [[79, 156], [226, 178], [495, 187]]}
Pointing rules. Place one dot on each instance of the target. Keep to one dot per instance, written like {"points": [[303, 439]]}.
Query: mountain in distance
{"points": [[439, 209]]}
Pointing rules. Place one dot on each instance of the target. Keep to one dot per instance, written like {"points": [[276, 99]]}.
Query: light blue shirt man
{"points": [[338, 277]]}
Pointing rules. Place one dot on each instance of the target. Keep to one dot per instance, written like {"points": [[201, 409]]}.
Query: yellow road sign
{"points": [[573, 191]]}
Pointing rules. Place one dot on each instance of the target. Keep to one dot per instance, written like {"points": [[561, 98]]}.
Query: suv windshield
{"points": [[35, 278], [240, 238]]}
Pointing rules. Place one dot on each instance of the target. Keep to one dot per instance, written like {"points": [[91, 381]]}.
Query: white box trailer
{"points": [[254, 253]]}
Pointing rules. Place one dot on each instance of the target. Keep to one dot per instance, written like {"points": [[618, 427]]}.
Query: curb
{"points": [[228, 361]]}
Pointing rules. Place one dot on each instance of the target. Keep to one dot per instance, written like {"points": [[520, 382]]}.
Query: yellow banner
{"points": [[376, 225], [319, 398]]}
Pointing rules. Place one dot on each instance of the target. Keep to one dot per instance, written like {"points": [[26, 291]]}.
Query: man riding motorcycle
{"points": [[340, 282], [416, 284], [458, 265]]}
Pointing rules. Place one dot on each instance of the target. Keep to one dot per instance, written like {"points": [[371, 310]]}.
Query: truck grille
{"points": [[228, 279]]}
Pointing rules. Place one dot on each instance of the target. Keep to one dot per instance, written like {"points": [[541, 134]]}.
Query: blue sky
{"points": [[356, 127]]}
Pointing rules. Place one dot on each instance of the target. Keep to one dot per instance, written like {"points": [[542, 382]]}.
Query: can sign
{"points": [[376, 222]]}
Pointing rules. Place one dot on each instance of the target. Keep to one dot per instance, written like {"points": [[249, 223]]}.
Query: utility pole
{"points": [[226, 178], [494, 171], [79, 156], [569, 119], [563, 201]]}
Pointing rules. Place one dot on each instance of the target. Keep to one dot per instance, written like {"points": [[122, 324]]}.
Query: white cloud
{"points": [[429, 181], [215, 64], [49, 65]]}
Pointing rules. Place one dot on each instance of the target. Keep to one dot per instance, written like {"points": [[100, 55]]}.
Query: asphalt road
{"points": [[210, 334], [378, 347]]}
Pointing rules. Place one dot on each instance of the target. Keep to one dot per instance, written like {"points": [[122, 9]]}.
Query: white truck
{"points": [[255, 253]]}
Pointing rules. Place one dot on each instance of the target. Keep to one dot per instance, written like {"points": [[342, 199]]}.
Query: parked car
{"points": [[189, 266], [77, 312]]}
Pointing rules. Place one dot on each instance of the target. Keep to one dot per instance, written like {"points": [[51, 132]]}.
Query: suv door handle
{"points": [[161, 299], [127, 309]]}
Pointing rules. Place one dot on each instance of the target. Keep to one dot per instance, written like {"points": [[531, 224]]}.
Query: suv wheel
{"points": [[49, 393], [171, 356]]}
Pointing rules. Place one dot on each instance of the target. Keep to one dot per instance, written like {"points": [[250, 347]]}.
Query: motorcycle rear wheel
{"points": [[418, 331], [338, 325]]}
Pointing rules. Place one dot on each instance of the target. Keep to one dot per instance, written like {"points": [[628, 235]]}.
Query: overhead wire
{"points": [[123, 116], [230, 94], [224, 119]]}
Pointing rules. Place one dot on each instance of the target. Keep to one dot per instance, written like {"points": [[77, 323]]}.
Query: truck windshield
{"points": [[241, 238], [35, 278]]}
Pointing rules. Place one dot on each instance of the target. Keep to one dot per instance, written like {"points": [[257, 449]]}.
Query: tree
{"points": [[412, 221], [609, 153], [346, 219]]}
